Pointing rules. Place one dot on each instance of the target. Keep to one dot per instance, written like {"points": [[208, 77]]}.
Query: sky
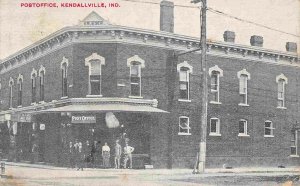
{"points": [[20, 27]]}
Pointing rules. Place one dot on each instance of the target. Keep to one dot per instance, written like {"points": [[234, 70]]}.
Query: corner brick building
{"points": [[73, 83]]}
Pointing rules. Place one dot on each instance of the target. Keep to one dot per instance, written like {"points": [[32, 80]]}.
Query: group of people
{"points": [[87, 155]]}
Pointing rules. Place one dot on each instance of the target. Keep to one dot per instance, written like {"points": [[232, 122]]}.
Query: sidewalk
{"points": [[239, 170]]}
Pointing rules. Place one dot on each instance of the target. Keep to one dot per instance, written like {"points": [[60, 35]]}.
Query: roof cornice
{"points": [[169, 40]]}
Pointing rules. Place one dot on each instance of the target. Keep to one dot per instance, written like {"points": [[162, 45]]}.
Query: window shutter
{"points": [[134, 70], [243, 84], [183, 76], [95, 68]]}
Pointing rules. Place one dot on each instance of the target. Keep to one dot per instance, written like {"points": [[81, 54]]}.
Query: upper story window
{"points": [[214, 127], [215, 73], [184, 126], [184, 70], [20, 89], [64, 77], [11, 85], [281, 81], [294, 143], [33, 85], [243, 129], [135, 64], [42, 83], [269, 129], [243, 76], [94, 62]]}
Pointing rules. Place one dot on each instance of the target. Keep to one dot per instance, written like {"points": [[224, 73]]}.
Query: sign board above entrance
{"points": [[83, 119]]}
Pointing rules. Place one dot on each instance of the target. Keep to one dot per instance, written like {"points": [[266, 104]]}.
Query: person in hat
{"points": [[128, 154]]}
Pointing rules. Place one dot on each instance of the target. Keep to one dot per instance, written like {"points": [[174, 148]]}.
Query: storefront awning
{"points": [[104, 108]]}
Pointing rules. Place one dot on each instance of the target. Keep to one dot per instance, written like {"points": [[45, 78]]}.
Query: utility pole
{"points": [[203, 62]]}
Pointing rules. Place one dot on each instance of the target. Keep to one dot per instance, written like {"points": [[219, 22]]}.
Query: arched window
{"points": [[20, 89], [64, 77], [33, 85], [42, 83], [281, 81], [135, 64], [215, 73], [94, 62], [11, 85], [184, 70], [243, 76]]}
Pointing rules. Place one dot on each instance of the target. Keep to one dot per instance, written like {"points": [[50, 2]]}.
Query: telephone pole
{"points": [[203, 63]]}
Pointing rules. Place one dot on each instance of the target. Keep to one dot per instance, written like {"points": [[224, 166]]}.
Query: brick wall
{"points": [[168, 149]]}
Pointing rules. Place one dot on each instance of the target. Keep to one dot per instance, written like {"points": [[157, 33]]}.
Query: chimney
{"points": [[257, 41], [166, 16], [229, 36], [291, 47]]}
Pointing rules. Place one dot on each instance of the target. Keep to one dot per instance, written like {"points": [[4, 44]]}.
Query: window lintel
{"points": [[92, 57], [283, 77], [135, 58], [243, 72], [217, 69], [186, 65]]}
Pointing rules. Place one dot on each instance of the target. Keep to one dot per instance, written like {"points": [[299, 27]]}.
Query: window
{"points": [[33, 85], [135, 64], [64, 80], [214, 127], [281, 81], [184, 83], [42, 83], [11, 85], [20, 88], [184, 126], [269, 130], [94, 62], [294, 144], [243, 76], [243, 128], [184, 70], [135, 79], [215, 74]]}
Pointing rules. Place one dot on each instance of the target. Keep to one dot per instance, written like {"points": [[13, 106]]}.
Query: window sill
{"points": [[184, 134], [282, 108], [121, 85], [184, 100], [269, 136], [243, 105], [94, 96], [136, 97], [214, 134], [244, 135], [215, 102], [64, 97], [294, 156]]}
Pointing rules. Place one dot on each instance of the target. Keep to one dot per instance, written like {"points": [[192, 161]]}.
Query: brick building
{"points": [[74, 83]]}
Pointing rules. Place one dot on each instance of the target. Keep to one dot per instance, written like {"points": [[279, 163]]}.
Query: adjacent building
{"points": [[96, 81]]}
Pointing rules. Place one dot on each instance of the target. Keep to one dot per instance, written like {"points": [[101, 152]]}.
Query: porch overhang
{"points": [[104, 108]]}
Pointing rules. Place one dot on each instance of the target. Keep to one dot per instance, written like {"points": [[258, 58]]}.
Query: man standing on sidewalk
{"points": [[128, 155], [118, 153]]}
